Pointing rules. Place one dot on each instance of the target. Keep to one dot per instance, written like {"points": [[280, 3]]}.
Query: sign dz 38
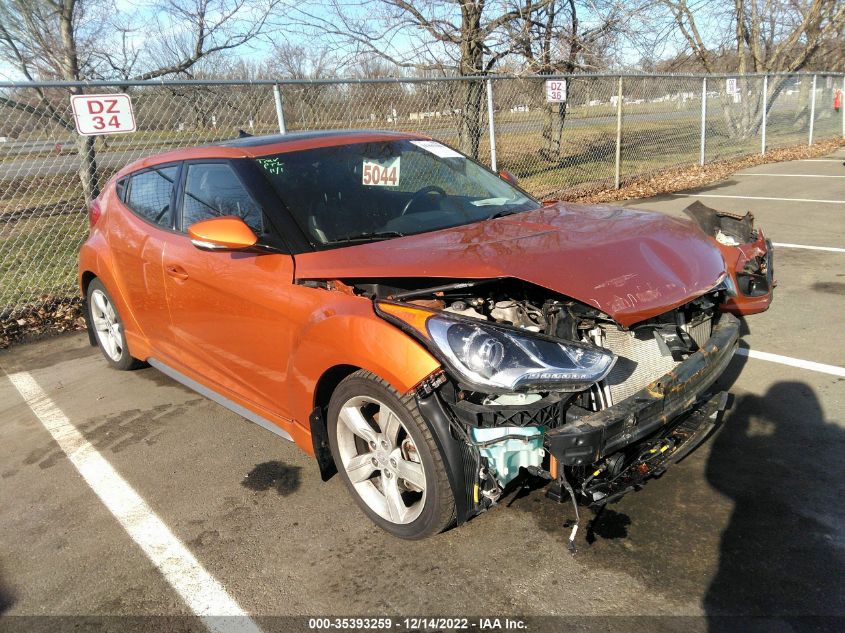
{"points": [[102, 114]]}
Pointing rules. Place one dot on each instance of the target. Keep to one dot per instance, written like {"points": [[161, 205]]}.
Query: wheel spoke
{"points": [[360, 468], [100, 303], [355, 421], [109, 344], [412, 472], [379, 475], [118, 345], [396, 508], [389, 423]]}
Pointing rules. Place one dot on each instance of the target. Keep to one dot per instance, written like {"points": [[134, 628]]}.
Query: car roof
{"points": [[253, 146]]}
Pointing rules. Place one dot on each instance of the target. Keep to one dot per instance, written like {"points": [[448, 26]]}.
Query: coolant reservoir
{"points": [[507, 456]]}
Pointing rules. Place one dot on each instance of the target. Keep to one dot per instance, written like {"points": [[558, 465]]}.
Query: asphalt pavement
{"points": [[750, 525]]}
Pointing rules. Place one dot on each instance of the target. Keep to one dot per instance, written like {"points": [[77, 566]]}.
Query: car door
{"points": [[137, 237], [228, 310]]}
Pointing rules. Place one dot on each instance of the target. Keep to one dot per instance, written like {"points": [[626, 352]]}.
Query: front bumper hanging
{"points": [[595, 435]]}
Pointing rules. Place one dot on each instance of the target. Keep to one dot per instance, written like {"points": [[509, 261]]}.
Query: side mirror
{"points": [[508, 177], [222, 234]]}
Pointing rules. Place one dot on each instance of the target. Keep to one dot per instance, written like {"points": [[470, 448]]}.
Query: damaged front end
{"points": [[747, 253], [533, 381], [536, 383]]}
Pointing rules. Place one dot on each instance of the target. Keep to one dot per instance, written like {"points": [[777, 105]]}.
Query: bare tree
{"points": [[557, 39], [308, 104], [75, 40], [760, 36], [453, 37]]}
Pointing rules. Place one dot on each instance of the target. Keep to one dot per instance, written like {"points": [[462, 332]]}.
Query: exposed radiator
{"points": [[640, 361], [700, 331]]}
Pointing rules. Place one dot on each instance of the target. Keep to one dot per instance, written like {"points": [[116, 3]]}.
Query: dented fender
{"points": [[344, 331]]}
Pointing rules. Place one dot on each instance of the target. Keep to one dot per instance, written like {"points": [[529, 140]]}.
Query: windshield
{"points": [[369, 191]]}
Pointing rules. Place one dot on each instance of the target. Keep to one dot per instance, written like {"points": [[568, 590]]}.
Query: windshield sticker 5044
{"points": [[381, 173]]}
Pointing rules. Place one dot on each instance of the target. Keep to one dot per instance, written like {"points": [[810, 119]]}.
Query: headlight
{"points": [[500, 357], [504, 359]]}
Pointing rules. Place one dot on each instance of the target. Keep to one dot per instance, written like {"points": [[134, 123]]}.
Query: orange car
{"points": [[419, 323]]}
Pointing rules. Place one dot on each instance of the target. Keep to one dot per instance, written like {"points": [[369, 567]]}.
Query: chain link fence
{"points": [[608, 130]]}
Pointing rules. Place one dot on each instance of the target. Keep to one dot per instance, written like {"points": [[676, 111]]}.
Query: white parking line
{"points": [[832, 249], [715, 195], [792, 175], [833, 370], [200, 591]]}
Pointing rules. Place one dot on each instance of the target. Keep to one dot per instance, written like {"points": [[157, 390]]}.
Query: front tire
{"points": [[386, 455], [108, 328]]}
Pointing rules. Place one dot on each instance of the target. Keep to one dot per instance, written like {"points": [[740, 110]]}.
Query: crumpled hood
{"points": [[631, 265]]}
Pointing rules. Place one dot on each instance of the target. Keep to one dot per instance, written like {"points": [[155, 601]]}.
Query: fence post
{"points": [[703, 120], [280, 112], [812, 110], [491, 124], [618, 134], [765, 107]]}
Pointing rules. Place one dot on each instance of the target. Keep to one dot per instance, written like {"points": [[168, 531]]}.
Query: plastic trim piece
{"points": [[234, 407]]}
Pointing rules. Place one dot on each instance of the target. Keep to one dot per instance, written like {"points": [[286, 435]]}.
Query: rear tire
{"points": [[388, 459], [108, 328]]}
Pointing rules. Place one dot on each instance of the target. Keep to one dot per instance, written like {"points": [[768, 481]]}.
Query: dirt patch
{"points": [[116, 432], [832, 287], [274, 475]]}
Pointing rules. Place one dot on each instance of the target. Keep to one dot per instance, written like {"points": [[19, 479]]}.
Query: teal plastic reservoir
{"points": [[506, 457]]}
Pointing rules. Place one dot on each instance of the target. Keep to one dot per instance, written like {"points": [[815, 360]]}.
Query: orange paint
{"points": [[226, 233]]}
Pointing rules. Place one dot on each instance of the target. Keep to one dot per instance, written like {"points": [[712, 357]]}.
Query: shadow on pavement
{"points": [[7, 598], [781, 559]]}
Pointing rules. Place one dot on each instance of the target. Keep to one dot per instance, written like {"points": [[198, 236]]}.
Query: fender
{"points": [[348, 339], [344, 331]]}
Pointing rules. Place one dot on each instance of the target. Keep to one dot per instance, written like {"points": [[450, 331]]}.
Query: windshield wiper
{"points": [[502, 213], [369, 236]]}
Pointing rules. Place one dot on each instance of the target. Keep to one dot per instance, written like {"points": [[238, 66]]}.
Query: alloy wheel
{"points": [[106, 325], [381, 459]]}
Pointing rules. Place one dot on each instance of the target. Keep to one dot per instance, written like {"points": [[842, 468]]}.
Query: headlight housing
{"points": [[495, 358]]}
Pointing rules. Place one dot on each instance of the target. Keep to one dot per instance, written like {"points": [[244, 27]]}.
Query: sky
{"points": [[150, 21]]}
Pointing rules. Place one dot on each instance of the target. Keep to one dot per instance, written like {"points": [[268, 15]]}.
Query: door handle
{"points": [[177, 272]]}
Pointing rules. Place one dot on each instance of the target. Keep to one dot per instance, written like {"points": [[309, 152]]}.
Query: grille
{"points": [[546, 412]]}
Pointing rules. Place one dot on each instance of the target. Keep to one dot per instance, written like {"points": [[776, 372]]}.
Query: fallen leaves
{"points": [[682, 178], [53, 315]]}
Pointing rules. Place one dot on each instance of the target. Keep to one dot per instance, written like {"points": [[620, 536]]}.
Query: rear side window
{"points": [[120, 188], [213, 190], [150, 193]]}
